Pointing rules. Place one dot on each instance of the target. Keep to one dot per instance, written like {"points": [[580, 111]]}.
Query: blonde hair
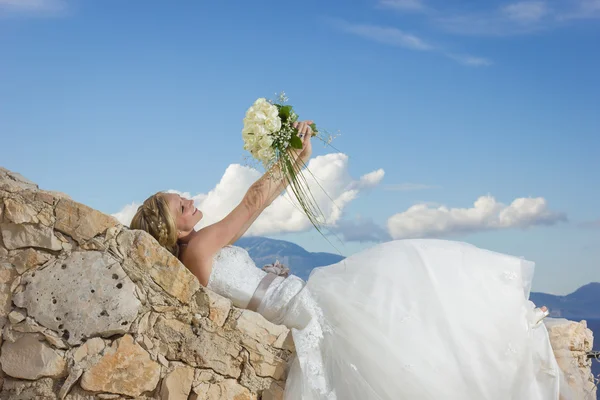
{"points": [[154, 217]]}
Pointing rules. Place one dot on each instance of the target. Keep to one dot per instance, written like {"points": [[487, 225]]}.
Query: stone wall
{"points": [[571, 341], [92, 310]]}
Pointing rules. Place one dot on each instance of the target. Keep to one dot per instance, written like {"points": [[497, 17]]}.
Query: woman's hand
{"points": [[305, 133]]}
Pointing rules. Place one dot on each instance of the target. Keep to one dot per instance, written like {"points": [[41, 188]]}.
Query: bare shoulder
{"points": [[198, 260]]}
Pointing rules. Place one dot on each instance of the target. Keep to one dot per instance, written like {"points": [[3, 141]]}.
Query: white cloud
{"points": [[370, 180], [407, 187], [471, 61], [423, 220], [283, 215], [404, 5], [486, 24], [590, 224], [385, 35], [361, 230], [518, 18], [584, 9], [126, 214], [526, 11], [590, 6], [330, 173], [398, 38], [33, 7]]}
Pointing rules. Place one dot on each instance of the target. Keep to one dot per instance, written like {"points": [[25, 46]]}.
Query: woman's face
{"points": [[185, 213]]}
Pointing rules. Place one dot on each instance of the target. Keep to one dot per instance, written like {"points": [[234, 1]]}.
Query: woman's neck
{"points": [[185, 240]]}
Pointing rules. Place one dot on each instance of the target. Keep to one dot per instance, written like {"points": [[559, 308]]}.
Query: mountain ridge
{"points": [[300, 261]]}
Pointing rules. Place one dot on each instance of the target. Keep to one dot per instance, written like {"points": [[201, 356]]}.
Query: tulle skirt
{"points": [[421, 319]]}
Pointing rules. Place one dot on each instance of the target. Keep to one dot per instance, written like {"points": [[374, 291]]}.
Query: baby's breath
{"points": [[281, 98]]}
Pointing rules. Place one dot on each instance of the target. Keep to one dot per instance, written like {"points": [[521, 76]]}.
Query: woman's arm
{"points": [[212, 238], [280, 183]]}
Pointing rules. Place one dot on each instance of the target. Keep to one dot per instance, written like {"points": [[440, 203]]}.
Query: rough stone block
{"points": [[87, 294]]}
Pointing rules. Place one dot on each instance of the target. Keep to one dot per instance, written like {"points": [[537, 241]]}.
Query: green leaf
{"points": [[285, 112], [313, 126], [296, 142]]}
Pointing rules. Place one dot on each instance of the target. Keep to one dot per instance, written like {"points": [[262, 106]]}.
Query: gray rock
{"points": [[16, 316], [89, 349], [7, 274], [87, 294], [17, 179], [16, 236], [28, 258], [74, 375], [202, 349], [42, 389], [30, 358]]}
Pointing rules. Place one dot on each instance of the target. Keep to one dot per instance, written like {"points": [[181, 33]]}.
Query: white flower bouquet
{"points": [[269, 135]]}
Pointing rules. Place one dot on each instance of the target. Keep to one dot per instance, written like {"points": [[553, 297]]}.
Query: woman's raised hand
{"points": [[305, 133]]}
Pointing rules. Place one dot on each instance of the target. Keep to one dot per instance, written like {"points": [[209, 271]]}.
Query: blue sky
{"points": [[438, 104]]}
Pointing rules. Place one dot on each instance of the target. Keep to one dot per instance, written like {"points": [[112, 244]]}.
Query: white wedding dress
{"points": [[412, 319]]}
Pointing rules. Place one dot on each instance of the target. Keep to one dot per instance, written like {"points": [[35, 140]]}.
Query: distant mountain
{"points": [[299, 261], [584, 303]]}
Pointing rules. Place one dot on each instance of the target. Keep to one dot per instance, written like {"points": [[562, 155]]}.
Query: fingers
{"points": [[301, 129], [307, 135], [304, 129], [309, 131], [306, 141]]}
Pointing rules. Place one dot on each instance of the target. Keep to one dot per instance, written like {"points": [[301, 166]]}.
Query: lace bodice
{"points": [[235, 276]]}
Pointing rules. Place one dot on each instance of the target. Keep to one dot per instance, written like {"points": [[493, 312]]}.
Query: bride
{"points": [[410, 319]]}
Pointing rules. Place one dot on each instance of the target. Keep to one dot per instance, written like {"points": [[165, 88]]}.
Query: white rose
{"points": [[248, 128], [250, 117], [260, 102], [266, 142], [273, 124], [260, 131], [251, 139], [273, 112], [265, 155], [261, 120], [262, 105], [267, 108], [260, 117]]}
